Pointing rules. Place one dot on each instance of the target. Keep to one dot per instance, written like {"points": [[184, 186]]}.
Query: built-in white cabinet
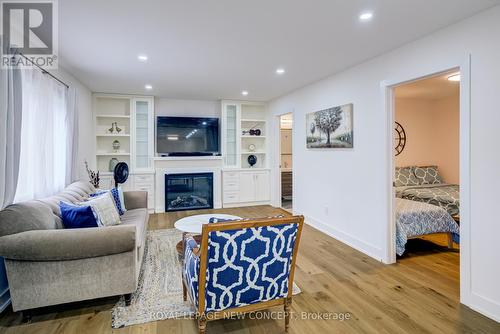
{"points": [[244, 187], [142, 134], [230, 138], [244, 134], [124, 132]]}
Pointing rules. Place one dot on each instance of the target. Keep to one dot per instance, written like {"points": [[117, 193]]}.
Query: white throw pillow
{"points": [[105, 208]]}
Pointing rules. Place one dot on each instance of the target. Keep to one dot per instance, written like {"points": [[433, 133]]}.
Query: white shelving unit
{"points": [[134, 115], [243, 184]]}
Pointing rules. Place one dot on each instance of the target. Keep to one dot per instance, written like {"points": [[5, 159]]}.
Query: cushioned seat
{"points": [[139, 218]]}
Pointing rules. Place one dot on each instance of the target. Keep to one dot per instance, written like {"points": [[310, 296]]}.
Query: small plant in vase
{"points": [[93, 176]]}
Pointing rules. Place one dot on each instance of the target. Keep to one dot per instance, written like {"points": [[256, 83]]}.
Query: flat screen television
{"points": [[187, 136]]}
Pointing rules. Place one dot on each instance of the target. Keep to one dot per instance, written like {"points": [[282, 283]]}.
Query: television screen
{"points": [[187, 135]]}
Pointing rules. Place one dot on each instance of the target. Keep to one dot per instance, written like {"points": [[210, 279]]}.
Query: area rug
{"points": [[159, 294]]}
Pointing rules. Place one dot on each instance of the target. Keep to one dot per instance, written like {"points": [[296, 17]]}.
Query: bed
{"points": [[424, 184], [415, 219], [446, 196]]}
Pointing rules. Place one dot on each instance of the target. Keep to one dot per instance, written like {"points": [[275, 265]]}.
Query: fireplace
{"points": [[192, 191]]}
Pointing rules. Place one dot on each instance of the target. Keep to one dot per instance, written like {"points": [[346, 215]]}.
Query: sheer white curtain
{"points": [[44, 136], [10, 133]]}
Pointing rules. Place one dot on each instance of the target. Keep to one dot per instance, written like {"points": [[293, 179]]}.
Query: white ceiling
{"points": [[214, 49], [433, 88]]}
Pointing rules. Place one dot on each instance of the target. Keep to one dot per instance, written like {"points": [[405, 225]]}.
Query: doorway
{"points": [[427, 165], [463, 70], [286, 161]]}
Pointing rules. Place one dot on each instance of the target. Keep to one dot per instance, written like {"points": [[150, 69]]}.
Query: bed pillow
{"points": [[105, 208], [117, 195], [77, 216], [405, 176], [428, 175]]}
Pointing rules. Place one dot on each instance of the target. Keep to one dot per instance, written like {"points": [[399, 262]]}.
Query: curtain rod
{"points": [[44, 71]]}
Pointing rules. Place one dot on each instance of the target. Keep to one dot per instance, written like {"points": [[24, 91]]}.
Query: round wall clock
{"points": [[399, 139]]}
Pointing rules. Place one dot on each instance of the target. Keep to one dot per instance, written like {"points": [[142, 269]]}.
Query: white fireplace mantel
{"points": [[180, 165]]}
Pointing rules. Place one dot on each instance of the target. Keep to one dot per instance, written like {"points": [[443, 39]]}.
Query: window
{"points": [[44, 136]]}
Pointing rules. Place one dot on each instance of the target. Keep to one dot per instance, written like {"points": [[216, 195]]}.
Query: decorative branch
{"points": [[93, 176]]}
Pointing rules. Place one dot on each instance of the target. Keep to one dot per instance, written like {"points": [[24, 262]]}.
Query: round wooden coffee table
{"points": [[193, 225]]}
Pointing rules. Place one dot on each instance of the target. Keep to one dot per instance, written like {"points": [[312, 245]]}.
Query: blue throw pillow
{"points": [[74, 216]]}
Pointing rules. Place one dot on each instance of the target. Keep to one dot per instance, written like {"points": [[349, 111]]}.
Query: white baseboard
{"points": [[364, 247], [485, 306]]}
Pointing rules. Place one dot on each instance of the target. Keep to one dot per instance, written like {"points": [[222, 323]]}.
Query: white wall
{"points": [[344, 192], [187, 108], [86, 138]]}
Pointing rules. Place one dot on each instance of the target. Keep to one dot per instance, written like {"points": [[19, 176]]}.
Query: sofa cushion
{"points": [[26, 216], [139, 218]]}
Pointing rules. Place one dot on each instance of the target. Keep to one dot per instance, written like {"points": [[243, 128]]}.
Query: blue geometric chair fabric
{"points": [[247, 265]]}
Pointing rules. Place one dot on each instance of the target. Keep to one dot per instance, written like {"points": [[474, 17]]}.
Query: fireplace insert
{"points": [[192, 191]]}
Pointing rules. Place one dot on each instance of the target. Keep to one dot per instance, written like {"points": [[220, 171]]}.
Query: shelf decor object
{"points": [[116, 145], [252, 160], [112, 164]]}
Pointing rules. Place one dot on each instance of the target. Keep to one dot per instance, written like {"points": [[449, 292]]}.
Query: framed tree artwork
{"points": [[330, 128]]}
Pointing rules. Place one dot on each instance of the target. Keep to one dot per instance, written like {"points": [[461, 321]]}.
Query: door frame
{"points": [[277, 161], [387, 90]]}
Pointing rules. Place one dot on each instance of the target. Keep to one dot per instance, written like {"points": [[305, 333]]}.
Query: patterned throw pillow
{"points": [[428, 175], [105, 208], [405, 176], [117, 195]]}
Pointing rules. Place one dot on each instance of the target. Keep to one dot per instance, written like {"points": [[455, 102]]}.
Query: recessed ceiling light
{"points": [[454, 77], [142, 57], [148, 87], [280, 70], [367, 16], [244, 93]]}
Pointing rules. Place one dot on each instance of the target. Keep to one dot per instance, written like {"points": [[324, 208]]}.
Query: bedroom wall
{"points": [[433, 134], [341, 192]]}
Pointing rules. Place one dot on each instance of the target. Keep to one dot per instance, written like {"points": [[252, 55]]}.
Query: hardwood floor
{"points": [[419, 294]]}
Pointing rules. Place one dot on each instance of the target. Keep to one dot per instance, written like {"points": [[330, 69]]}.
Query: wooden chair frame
{"points": [[202, 253]]}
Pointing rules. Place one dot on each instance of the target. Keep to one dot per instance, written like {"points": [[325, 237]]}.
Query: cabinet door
{"points": [[143, 133], [262, 184], [230, 134], [247, 187]]}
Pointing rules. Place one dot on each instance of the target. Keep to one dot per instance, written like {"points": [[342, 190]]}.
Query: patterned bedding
{"points": [[415, 219], [446, 196]]}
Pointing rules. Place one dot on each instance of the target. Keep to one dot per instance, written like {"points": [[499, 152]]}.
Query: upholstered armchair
{"points": [[241, 266]]}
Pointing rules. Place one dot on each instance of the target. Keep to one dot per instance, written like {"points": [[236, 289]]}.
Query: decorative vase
{"points": [[112, 164], [113, 128], [116, 145], [257, 132], [252, 160], [118, 130]]}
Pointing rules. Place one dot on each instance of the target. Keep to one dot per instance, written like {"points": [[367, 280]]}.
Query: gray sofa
{"points": [[48, 265]]}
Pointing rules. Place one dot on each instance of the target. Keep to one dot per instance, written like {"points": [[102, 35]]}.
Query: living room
{"points": [[142, 168]]}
